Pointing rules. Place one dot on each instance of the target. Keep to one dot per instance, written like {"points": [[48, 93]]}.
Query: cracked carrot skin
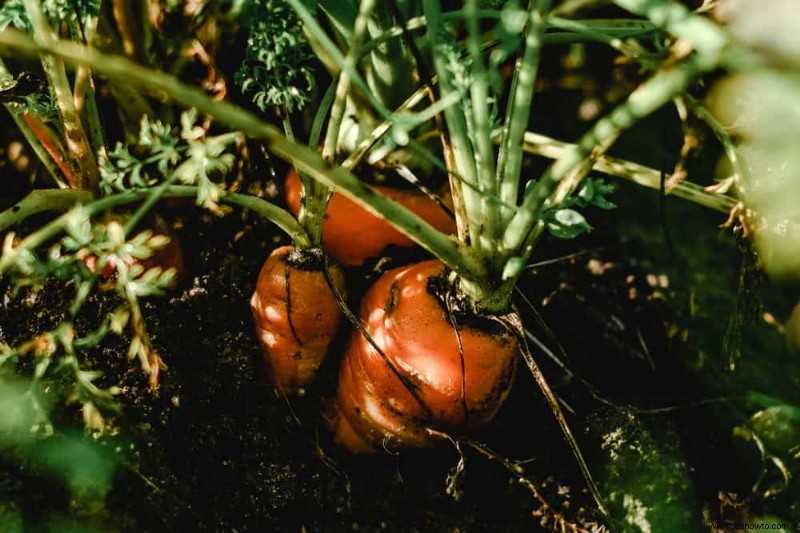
{"points": [[296, 315], [352, 234], [373, 408]]}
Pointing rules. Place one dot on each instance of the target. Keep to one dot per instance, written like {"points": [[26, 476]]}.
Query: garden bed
{"points": [[216, 449]]}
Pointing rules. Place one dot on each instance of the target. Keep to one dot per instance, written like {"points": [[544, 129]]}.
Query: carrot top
{"points": [[498, 224]]}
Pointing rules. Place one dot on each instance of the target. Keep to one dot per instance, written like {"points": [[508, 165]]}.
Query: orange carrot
{"points": [[296, 314], [351, 234], [421, 372]]}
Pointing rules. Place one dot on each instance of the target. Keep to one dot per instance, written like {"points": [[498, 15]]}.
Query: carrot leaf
{"points": [[566, 223]]}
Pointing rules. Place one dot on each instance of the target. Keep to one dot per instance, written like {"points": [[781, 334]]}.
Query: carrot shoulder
{"points": [[351, 234], [296, 315], [423, 374]]}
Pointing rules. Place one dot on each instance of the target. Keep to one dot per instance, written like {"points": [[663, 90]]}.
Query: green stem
{"points": [[537, 144], [40, 200], [155, 195], [343, 86], [85, 97], [131, 105], [606, 31], [315, 196], [323, 108], [380, 131], [564, 175], [519, 107], [489, 294], [281, 218], [705, 36], [462, 150], [81, 157], [722, 135], [48, 200], [609, 32], [336, 56], [481, 129], [448, 250], [390, 64]]}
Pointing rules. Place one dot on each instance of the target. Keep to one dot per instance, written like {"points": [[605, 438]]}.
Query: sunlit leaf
{"points": [[567, 224]]}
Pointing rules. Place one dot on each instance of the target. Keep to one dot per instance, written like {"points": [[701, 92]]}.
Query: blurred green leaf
{"points": [[778, 427], [594, 192], [647, 483], [86, 468], [21, 415], [767, 25], [10, 516], [566, 223], [763, 109]]}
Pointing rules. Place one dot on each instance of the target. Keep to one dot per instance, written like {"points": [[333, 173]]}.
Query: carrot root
{"points": [[296, 315], [416, 372]]}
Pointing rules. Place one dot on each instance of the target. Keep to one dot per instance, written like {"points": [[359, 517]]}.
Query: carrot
{"points": [[421, 372], [296, 314], [352, 234]]}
